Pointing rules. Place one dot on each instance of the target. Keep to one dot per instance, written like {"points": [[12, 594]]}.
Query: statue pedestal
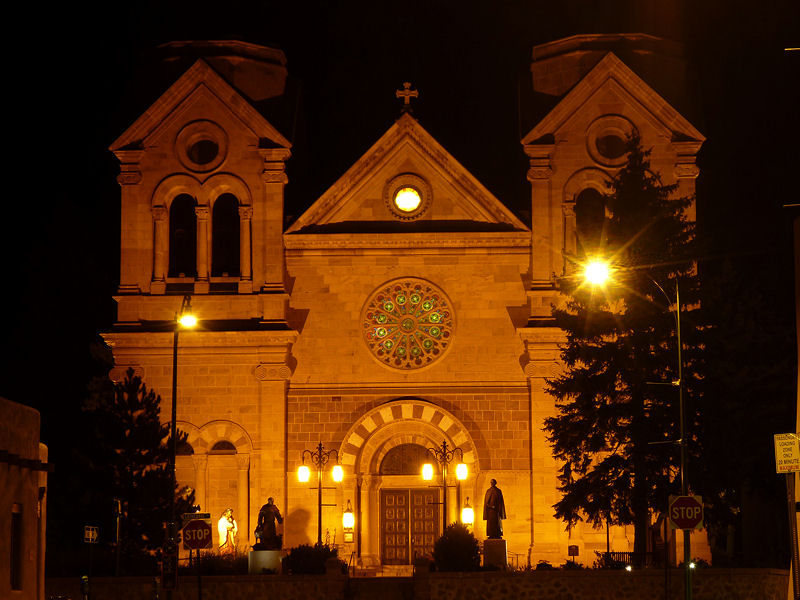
{"points": [[495, 553], [260, 560]]}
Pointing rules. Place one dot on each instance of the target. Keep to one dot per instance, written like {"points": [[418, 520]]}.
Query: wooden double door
{"points": [[409, 524]]}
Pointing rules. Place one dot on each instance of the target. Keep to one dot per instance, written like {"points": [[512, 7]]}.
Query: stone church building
{"points": [[407, 307]]}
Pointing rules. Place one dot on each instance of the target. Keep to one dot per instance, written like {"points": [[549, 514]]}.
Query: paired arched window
{"points": [[183, 237], [225, 237], [590, 214]]}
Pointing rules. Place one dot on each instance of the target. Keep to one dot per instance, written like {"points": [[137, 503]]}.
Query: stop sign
{"points": [[686, 512], [197, 535]]}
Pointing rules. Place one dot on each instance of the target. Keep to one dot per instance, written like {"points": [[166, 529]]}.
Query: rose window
{"points": [[408, 323]]}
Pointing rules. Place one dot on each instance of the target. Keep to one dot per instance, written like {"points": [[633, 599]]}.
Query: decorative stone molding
{"points": [[537, 368], [246, 212], [201, 212], [272, 372], [686, 171], [160, 213], [129, 166]]}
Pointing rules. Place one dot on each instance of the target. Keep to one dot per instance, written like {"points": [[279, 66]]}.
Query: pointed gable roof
{"points": [[612, 72], [407, 141], [199, 79]]}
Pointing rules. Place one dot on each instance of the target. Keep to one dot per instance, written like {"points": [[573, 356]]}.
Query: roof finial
{"points": [[406, 94]]}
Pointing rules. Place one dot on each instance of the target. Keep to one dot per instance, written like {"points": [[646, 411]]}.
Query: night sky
{"points": [[76, 82]]}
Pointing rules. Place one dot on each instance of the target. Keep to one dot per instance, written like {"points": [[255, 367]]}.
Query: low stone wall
{"points": [[648, 584], [219, 587], [708, 584]]}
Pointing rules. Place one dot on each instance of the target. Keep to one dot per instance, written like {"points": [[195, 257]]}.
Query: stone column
{"points": [[201, 281], [200, 462], [543, 242], [246, 277], [243, 498], [160, 249], [570, 233]]}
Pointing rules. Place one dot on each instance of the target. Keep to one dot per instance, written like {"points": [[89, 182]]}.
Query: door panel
{"points": [[409, 524]]}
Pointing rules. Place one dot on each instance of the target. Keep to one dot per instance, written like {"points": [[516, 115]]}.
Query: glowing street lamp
{"points": [[467, 514], [348, 523], [444, 457], [184, 319], [597, 272], [319, 458]]}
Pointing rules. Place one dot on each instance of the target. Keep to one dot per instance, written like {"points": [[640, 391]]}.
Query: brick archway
{"points": [[401, 422]]}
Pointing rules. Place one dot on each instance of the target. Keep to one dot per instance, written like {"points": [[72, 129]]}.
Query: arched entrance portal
{"points": [[400, 514]]}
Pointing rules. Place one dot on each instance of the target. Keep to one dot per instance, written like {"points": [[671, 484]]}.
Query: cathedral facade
{"points": [[407, 309]]}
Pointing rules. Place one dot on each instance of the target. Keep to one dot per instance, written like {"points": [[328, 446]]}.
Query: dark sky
{"points": [[75, 82]]}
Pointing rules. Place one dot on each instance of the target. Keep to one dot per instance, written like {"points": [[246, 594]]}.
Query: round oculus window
{"points": [[407, 199], [201, 146], [407, 196], [606, 140], [408, 323]]}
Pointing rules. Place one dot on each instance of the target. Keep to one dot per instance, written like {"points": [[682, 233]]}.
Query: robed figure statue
{"points": [[494, 511], [266, 532]]}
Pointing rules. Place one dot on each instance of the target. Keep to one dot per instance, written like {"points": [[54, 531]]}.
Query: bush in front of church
{"points": [[457, 550], [312, 560]]}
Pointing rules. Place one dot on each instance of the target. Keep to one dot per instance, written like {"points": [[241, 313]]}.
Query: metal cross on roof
{"points": [[406, 94]]}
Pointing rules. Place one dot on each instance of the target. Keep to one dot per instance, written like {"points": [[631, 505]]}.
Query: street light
{"points": [[184, 319], [444, 457], [597, 272], [319, 458]]}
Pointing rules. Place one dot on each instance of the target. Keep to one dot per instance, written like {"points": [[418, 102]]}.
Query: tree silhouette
{"points": [[614, 424]]}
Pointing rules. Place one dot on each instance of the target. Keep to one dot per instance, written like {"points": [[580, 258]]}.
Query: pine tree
{"points": [[615, 425], [130, 453]]}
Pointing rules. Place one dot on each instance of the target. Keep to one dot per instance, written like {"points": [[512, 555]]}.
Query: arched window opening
{"points": [[225, 237], [406, 459], [183, 237], [223, 447], [590, 214], [184, 449]]}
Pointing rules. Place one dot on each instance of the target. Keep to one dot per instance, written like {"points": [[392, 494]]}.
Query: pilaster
{"points": [[540, 175], [201, 281], [271, 220]]}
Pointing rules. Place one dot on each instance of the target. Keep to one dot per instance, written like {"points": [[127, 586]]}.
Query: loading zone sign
{"points": [[787, 452]]}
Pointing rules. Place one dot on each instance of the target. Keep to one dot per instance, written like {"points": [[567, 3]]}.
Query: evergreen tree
{"points": [[129, 458], [617, 416]]}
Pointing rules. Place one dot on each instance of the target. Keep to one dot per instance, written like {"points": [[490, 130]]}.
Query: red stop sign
{"points": [[197, 535], [686, 512]]}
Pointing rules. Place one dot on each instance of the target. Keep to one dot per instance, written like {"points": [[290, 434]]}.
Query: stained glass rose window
{"points": [[408, 323]]}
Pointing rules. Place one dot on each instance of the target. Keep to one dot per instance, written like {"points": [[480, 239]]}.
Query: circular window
{"points": [[201, 146], [407, 196], [606, 140], [407, 199], [408, 323]]}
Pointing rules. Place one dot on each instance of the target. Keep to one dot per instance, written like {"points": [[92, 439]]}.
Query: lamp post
{"points": [[598, 272], [184, 319], [444, 457], [319, 458]]}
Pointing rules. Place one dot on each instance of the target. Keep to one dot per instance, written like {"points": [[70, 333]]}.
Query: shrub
{"points": [[544, 565], [310, 560], [456, 550]]}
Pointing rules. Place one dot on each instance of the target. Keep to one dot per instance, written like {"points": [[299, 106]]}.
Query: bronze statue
{"points": [[494, 511], [266, 532]]}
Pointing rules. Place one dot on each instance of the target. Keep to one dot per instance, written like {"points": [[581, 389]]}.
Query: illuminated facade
{"points": [[405, 308]]}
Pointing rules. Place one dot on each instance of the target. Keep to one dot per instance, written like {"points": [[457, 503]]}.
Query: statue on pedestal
{"points": [[494, 511], [266, 532], [227, 529]]}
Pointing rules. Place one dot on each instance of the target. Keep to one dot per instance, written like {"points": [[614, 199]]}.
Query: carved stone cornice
{"points": [[686, 171], [413, 242], [539, 173], [129, 166]]}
